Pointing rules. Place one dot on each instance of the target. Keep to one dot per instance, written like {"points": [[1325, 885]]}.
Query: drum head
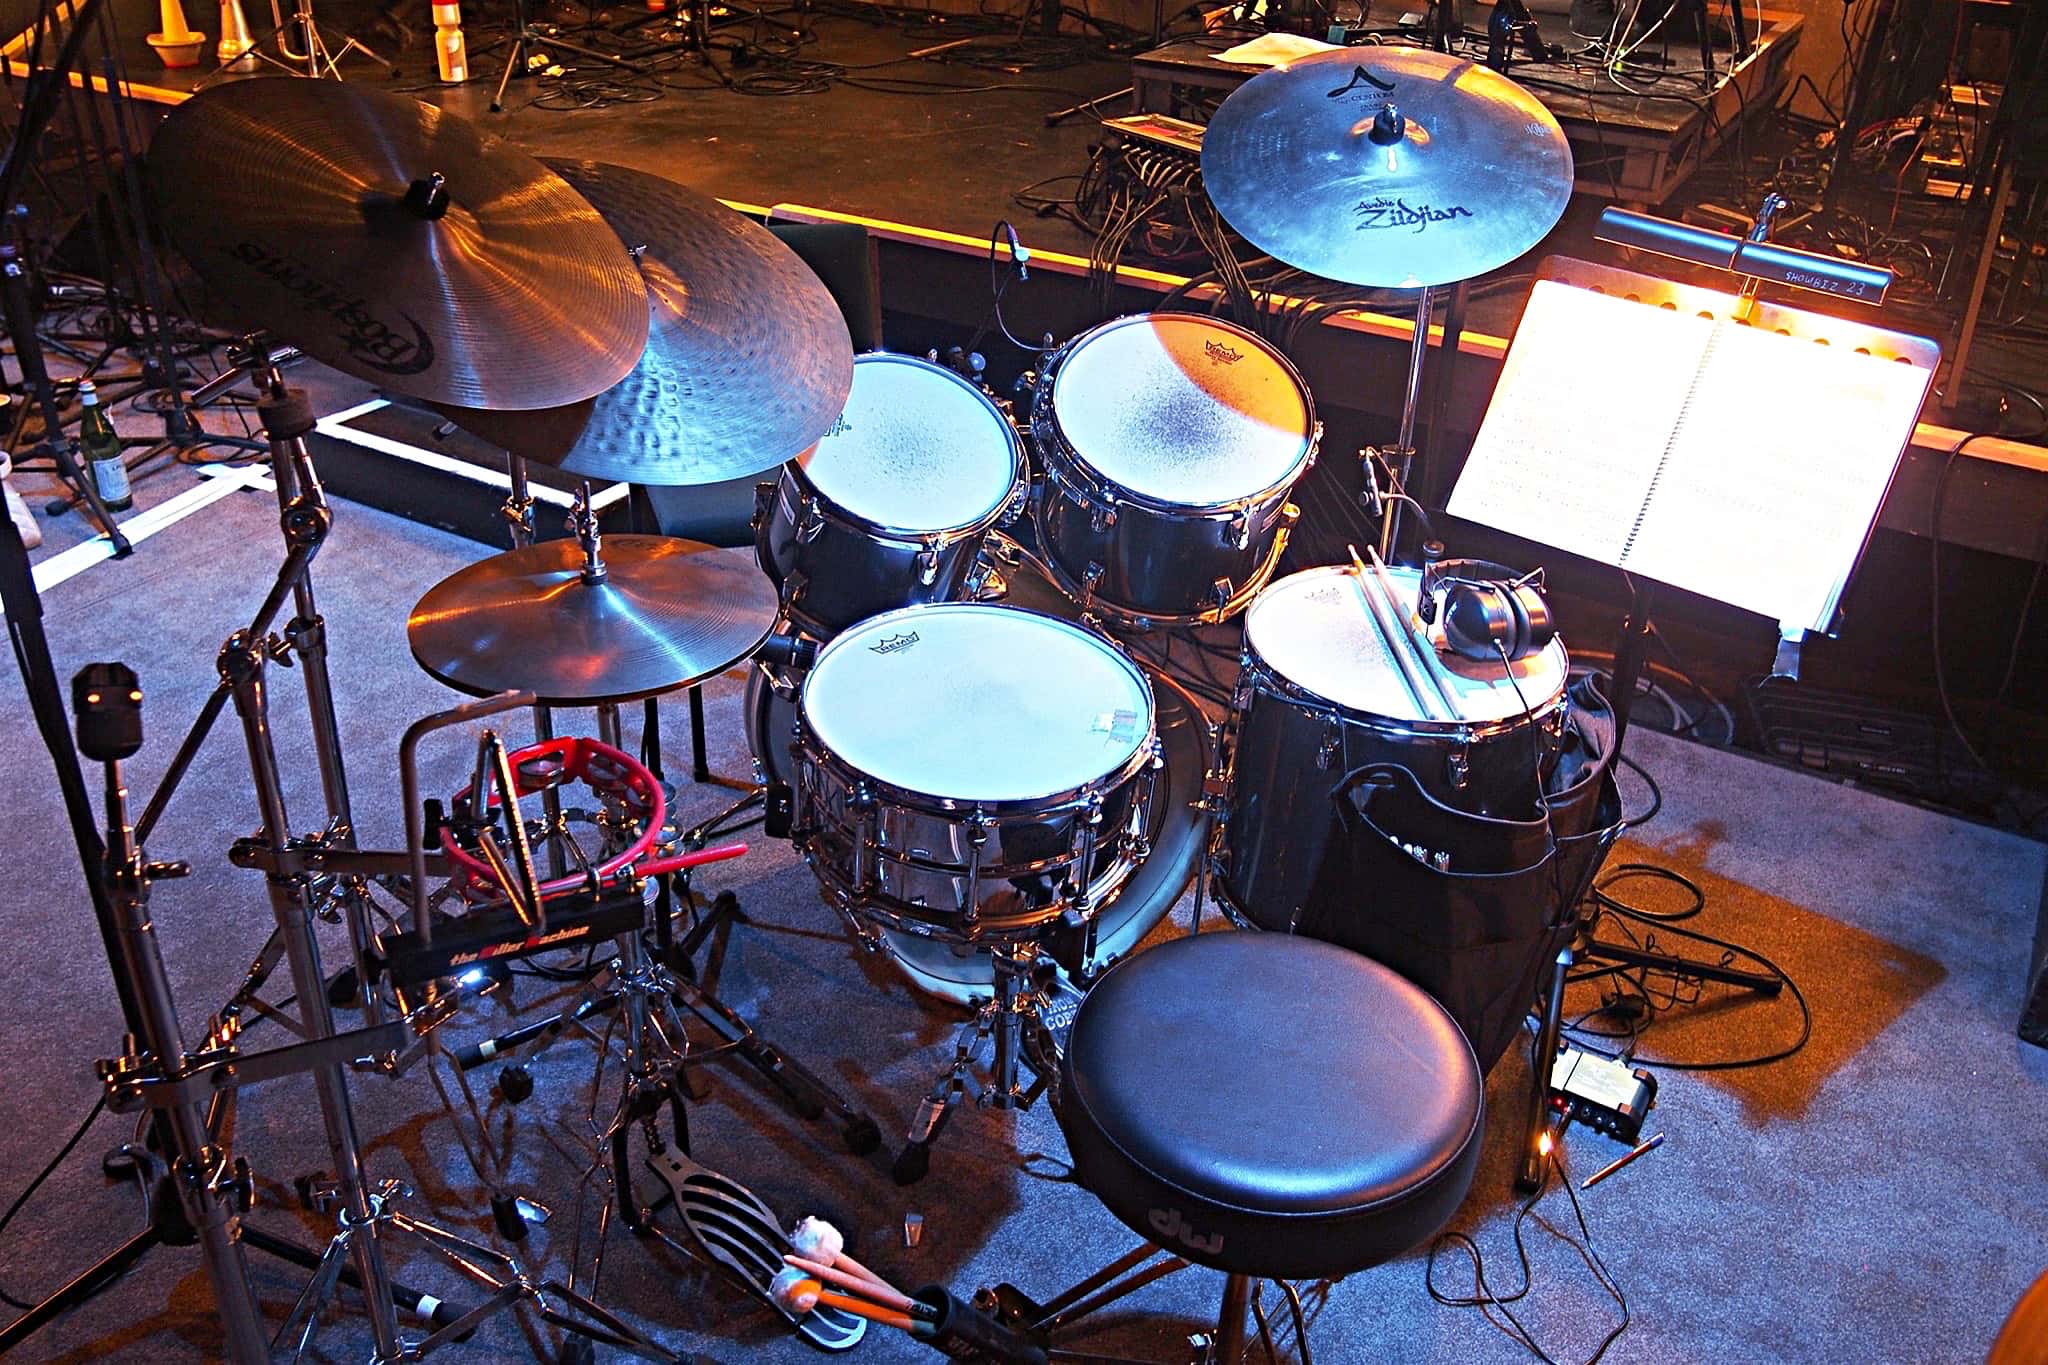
{"points": [[918, 448], [1315, 630], [973, 703], [1182, 409]]}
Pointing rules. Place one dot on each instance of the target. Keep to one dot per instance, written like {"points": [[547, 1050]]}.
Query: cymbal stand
{"points": [[526, 39], [304, 520], [318, 62], [1400, 457]]}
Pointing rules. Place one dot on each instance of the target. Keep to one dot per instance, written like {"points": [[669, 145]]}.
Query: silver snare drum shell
{"points": [[971, 771], [1169, 444], [1320, 696], [890, 507]]}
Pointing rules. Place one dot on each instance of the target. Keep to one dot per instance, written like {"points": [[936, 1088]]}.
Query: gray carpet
{"points": [[1877, 1197]]}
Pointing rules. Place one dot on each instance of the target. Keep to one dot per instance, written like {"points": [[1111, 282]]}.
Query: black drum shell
{"points": [[1291, 752]]}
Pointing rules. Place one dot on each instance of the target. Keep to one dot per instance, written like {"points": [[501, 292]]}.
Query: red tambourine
{"points": [[612, 774]]}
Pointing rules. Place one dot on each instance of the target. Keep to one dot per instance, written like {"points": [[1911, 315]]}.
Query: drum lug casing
{"points": [[1101, 515], [1457, 769], [811, 524], [764, 506], [1238, 530], [1333, 742], [928, 562]]}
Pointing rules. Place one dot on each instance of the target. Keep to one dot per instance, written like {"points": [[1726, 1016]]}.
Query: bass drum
{"points": [[957, 972], [1320, 695]]}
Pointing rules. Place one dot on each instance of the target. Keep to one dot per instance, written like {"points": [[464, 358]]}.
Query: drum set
{"points": [[955, 714]]}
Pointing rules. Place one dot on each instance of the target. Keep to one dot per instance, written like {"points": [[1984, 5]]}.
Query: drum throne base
{"points": [[1223, 1096]]}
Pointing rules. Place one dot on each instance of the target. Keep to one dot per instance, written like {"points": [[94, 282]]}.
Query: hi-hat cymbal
{"points": [[1394, 167], [313, 208], [748, 360], [667, 613]]}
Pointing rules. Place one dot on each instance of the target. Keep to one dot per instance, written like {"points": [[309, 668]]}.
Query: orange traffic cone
{"points": [[177, 45]]}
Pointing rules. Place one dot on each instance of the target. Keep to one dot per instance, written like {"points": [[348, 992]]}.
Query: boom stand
{"points": [[1400, 457]]}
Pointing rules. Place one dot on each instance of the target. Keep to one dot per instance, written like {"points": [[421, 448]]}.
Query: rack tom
{"points": [[1169, 444], [1320, 695], [889, 508]]}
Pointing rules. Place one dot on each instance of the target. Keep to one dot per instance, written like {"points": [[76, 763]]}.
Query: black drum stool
{"points": [[1270, 1106]]}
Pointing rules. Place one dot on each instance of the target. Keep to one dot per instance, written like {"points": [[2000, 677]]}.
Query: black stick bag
{"points": [[1471, 908]]}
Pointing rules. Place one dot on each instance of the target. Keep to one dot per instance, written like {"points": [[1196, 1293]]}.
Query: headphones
{"points": [[1487, 609]]}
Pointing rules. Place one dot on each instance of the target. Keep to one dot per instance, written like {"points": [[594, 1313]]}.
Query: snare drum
{"points": [[889, 508], [1169, 444], [969, 771], [1321, 695]]}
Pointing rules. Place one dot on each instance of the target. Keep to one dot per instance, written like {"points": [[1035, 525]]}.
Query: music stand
{"points": [[1733, 448]]}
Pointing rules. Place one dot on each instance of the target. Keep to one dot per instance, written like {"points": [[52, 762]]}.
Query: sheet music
{"points": [[1776, 472], [1565, 452], [1735, 462]]}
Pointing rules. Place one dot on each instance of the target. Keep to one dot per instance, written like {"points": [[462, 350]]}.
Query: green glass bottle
{"points": [[102, 450]]}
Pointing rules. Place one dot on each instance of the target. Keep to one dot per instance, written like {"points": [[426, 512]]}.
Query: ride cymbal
{"points": [[748, 360], [1393, 167], [398, 243], [667, 613]]}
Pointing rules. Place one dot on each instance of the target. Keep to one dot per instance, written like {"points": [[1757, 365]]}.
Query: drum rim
{"points": [[1045, 415], [945, 535], [1255, 668], [948, 807]]}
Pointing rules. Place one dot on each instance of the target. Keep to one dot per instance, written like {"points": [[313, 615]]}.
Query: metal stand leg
{"points": [[1003, 1019]]}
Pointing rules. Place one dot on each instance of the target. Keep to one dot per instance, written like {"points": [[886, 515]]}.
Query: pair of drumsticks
{"points": [[819, 1260]]}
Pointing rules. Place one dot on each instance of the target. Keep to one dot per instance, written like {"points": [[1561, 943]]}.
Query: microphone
{"points": [[1018, 254]]}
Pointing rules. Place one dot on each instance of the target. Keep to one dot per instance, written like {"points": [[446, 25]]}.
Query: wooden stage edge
{"points": [[1929, 438]]}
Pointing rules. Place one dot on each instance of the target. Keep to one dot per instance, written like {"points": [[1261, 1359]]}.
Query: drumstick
{"points": [[1391, 631], [1417, 629], [883, 1294], [820, 1241], [795, 1294]]}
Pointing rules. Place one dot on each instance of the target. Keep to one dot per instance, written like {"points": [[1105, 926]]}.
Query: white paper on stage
{"points": [[1739, 462]]}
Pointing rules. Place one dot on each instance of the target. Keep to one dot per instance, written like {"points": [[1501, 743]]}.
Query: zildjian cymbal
{"points": [[398, 243], [666, 613], [748, 360], [1393, 167]]}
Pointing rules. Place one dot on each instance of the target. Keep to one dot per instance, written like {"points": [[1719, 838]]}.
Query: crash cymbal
{"points": [[312, 208], [667, 613], [1394, 167], [748, 361]]}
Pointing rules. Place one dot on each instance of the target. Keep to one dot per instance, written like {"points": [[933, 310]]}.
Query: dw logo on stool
{"points": [[1172, 1227]]}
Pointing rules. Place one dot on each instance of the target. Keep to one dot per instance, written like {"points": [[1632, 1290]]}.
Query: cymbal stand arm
{"points": [[1401, 459]]}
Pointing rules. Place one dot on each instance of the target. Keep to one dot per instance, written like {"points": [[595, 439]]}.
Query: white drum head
{"points": [[918, 448], [1315, 630], [1182, 409], [972, 702]]}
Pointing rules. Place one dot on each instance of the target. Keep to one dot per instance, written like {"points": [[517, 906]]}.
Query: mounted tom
{"points": [[889, 508], [1169, 444]]}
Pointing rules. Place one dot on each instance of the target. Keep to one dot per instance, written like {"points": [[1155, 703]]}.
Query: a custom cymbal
{"points": [[1394, 167], [668, 613], [748, 360], [312, 208]]}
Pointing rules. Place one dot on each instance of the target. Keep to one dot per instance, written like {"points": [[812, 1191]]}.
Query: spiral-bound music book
{"points": [[1636, 423]]}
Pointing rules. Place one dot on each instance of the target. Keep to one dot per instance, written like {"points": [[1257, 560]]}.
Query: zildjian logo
{"points": [[1382, 212], [1360, 76], [890, 644]]}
